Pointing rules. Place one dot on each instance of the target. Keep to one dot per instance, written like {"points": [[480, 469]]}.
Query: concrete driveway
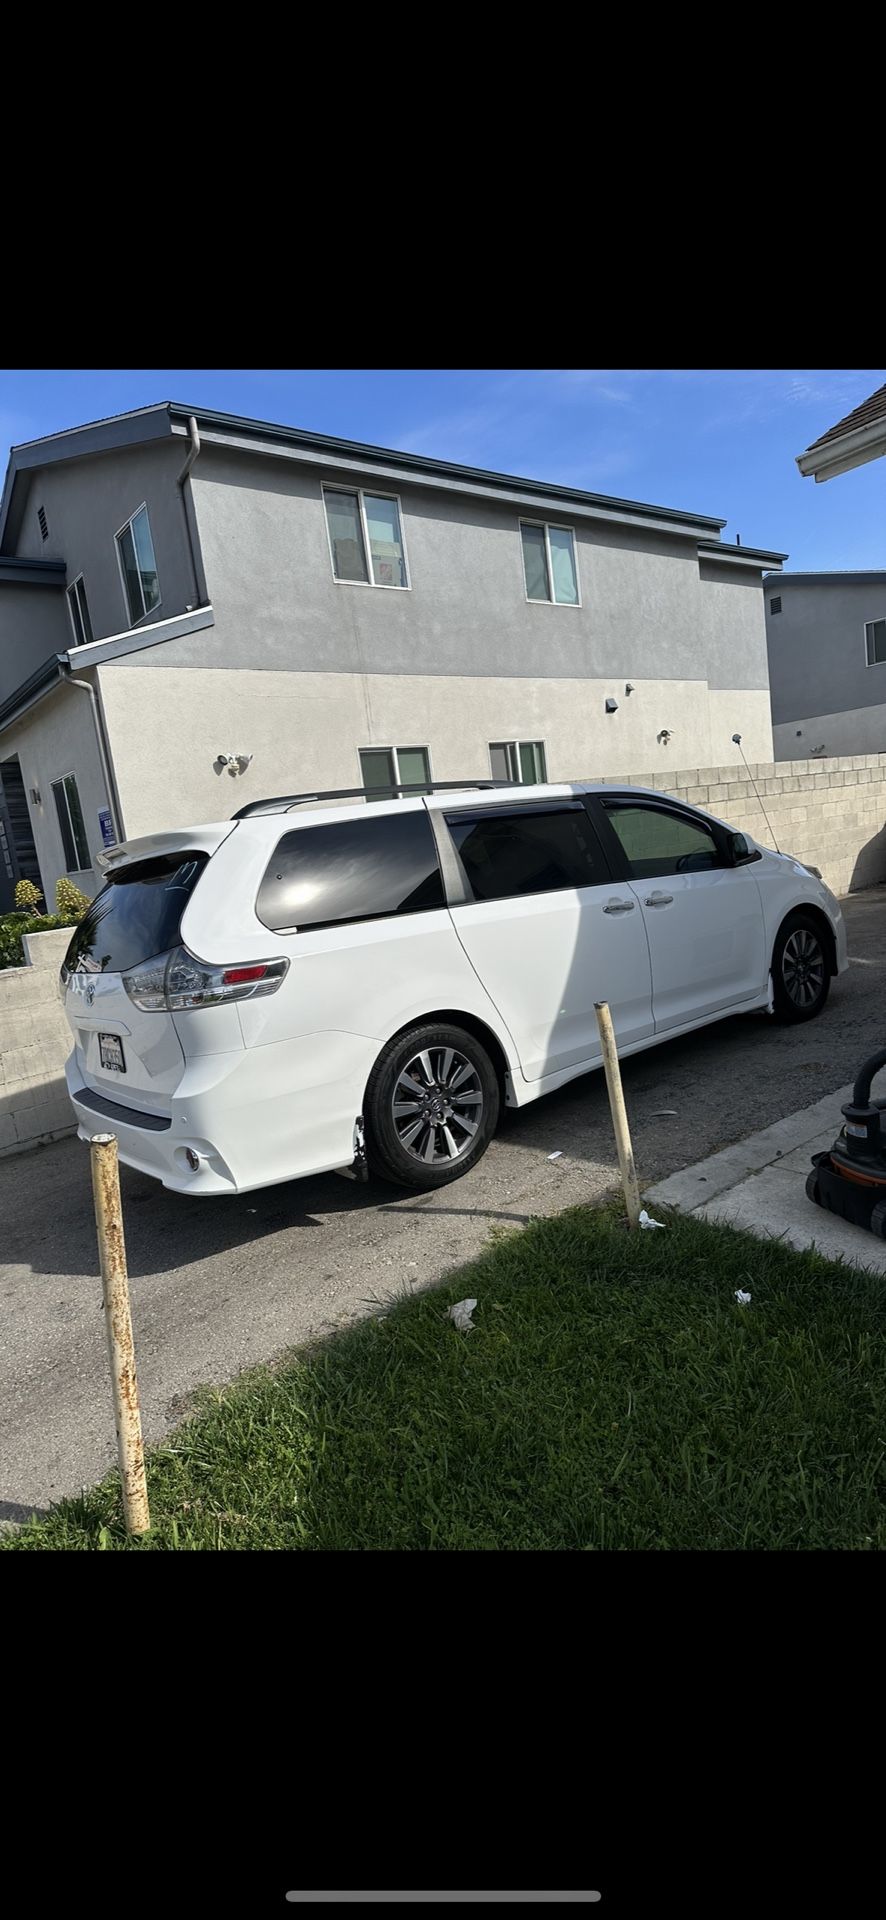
{"points": [[221, 1284]]}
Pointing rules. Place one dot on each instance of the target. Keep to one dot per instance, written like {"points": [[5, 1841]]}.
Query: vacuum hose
{"points": [[861, 1092]]}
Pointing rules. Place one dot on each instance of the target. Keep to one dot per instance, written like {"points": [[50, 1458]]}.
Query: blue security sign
{"points": [[106, 825]]}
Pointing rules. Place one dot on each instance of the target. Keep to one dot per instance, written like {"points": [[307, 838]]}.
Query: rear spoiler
{"points": [[205, 839]]}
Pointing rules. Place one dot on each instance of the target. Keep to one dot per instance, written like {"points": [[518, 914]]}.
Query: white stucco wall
{"points": [[168, 725]]}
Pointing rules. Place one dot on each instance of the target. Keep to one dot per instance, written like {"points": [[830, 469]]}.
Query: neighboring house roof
{"points": [[170, 419], [861, 574], [860, 437]]}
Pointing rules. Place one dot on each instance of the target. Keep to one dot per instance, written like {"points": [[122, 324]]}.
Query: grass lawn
{"points": [[612, 1395]]}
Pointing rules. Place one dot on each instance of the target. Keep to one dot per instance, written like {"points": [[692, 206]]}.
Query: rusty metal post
{"points": [[118, 1320], [619, 1114]]}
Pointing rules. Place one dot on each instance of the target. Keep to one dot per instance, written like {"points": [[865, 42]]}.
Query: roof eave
{"points": [[33, 689], [839, 456], [759, 559]]}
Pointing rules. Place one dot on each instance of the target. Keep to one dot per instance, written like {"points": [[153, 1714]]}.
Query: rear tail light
{"points": [[175, 981]]}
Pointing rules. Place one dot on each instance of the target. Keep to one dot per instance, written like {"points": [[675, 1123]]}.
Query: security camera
{"points": [[612, 706], [736, 739]]}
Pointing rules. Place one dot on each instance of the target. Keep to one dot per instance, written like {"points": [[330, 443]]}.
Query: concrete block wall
{"points": [[35, 1041], [829, 813]]}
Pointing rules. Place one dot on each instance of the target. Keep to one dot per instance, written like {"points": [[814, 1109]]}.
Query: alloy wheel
{"points": [[803, 968], [437, 1105]]}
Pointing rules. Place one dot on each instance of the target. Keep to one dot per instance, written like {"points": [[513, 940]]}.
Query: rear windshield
{"points": [[137, 915], [347, 870]]}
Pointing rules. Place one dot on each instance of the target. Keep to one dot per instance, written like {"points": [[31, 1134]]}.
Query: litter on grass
{"points": [[556, 1156], [461, 1314], [744, 1299], [646, 1220]]}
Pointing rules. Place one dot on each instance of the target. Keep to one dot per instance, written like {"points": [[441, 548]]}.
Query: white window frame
{"points": [[377, 493], [78, 582], [560, 526], [872, 623], [416, 746], [59, 781], [150, 613], [512, 749]]}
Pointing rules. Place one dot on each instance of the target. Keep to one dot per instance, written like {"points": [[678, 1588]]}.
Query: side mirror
{"points": [[740, 850]]}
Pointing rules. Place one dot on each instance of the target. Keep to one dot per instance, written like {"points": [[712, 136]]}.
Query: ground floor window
{"points": [[522, 760], [70, 820], [383, 769]]}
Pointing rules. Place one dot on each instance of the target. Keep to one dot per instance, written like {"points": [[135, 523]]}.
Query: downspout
{"points": [[84, 686], [190, 516]]}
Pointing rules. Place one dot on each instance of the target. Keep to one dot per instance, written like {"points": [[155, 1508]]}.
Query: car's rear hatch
{"points": [[123, 1053]]}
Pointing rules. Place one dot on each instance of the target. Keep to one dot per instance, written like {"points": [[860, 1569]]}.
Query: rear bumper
{"points": [[254, 1118]]}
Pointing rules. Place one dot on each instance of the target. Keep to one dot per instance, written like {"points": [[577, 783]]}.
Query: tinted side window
{"points": [[137, 915], [657, 841], [507, 852], [351, 870]]}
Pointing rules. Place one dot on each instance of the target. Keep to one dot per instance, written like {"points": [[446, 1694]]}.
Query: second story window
{"points": [[365, 537], [875, 642], [138, 566], [549, 565], [80, 620]]}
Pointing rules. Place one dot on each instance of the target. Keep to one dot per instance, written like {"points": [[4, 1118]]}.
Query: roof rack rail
{"points": [[284, 802]]}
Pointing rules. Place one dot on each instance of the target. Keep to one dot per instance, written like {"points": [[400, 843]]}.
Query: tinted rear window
{"points": [[527, 850], [351, 870], [137, 915]]}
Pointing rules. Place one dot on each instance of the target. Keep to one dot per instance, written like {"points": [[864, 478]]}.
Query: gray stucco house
{"points": [[187, 596], [826, 634]]}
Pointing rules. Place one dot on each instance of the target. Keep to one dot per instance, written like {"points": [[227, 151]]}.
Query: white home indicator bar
{"points": [[540, 1899]]}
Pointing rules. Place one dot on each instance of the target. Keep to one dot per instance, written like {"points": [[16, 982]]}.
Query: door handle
{"points": [[619, 906], [659, 899]]}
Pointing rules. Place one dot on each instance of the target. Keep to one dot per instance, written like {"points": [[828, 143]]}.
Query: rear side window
{"points": [[658, 842], [349, 870], [513, 851], [137, 915]]}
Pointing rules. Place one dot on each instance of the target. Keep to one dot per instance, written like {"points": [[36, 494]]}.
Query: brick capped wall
{"points": [[829, 813], [35, 1041]]}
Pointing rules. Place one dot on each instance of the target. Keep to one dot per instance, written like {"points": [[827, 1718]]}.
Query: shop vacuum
{"points": [[851, 1178]]}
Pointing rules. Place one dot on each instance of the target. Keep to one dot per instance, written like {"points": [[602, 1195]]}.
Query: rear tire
{"points": [[431, 1107], [801, 969]]}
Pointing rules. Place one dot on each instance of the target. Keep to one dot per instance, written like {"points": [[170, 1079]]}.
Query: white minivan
{"points": [[330, 982]]}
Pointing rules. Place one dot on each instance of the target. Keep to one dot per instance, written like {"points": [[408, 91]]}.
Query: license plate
{"points": [[110, 1051]]}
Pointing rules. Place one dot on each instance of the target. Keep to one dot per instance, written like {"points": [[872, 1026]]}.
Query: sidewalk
{"points": [[760, 1184]]}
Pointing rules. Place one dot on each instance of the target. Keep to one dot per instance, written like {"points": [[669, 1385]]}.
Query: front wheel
{"points": [[431, 1106], [801, 974]]}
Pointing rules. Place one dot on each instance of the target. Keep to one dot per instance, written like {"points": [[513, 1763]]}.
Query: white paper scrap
{"points": [[461, 1314]]}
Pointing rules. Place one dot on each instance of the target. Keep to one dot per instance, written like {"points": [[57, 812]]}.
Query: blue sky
{"points": [[720, 442]]}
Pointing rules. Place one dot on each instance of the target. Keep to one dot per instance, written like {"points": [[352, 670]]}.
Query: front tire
{"points": [[431, 1107], [801, 971]]}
